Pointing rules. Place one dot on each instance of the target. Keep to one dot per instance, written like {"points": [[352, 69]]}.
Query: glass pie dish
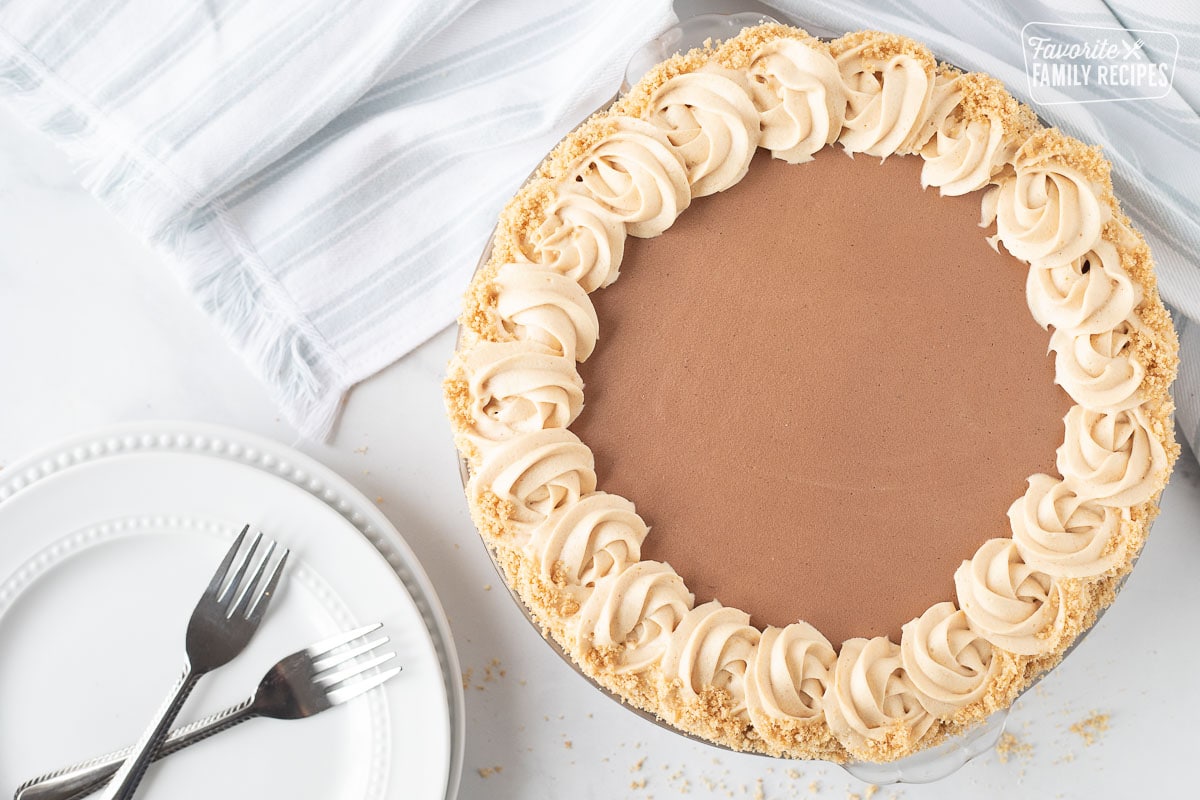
{"points": [[927, 765]]}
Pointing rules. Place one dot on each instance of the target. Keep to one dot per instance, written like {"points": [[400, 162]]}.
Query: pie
{"points": [[879, 417]]}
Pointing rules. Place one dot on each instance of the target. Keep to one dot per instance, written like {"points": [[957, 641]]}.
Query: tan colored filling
{"points": [[822, 389]]}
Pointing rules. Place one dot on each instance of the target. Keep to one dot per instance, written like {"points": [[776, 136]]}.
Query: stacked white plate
{"points": [[106, 543]]}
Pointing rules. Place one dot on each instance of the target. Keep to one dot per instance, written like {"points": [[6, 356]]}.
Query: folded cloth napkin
{"points": [[322, 174]]}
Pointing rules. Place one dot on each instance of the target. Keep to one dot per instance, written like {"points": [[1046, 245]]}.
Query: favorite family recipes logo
{"points": [[1082, 64]]}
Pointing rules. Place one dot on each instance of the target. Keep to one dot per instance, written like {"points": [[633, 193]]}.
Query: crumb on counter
{"points": [[1009, 746], [1091, 728]]}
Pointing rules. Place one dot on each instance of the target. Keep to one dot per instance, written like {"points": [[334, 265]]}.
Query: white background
{"points": [[94, 330]]}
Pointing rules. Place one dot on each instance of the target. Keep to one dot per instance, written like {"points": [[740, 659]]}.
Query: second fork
{"points": [[305, 683]]}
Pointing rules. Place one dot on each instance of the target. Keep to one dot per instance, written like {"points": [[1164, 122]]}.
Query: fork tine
{"points": [[218, 578], [348, 692], [260, 605], [237, 607], [322, 648], [244, 564], [331, 661], [357, 668]]}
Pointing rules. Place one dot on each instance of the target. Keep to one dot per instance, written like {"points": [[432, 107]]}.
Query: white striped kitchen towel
{"points": [[321, 174], [302, 164]]}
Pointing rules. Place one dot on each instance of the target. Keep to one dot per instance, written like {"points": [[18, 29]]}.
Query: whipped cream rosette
{"points": [[1064, 533], [548, 307], [872, 705], [533, 474], [1049, 210], [636, 176], [636, 612], [800, 98], [712, 649], [889, 86], [1089, 294], [974, 130], [1012, 604], [581, 238], [711, 123], [575, 552], [518, 386], [948, 663], [586, 541], [1098, 370], [1112, 457]]}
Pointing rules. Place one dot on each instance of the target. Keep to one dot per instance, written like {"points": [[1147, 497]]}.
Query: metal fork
{"points": [[303, 684], [227, 615]]}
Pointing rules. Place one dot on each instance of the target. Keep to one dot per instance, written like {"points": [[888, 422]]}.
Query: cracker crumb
{"points": [[362, 451], [638, 784], [567, 744], [487, 772], [1091, 728], [871, 791], [637, 765], [1009, 746]]}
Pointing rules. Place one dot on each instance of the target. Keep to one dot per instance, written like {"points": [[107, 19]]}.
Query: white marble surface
{"points": [[93, 331]]}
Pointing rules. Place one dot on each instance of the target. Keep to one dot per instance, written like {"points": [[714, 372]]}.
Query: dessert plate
{"points": [[107, 540]]}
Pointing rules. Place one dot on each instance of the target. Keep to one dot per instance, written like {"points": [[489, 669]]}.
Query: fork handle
{"points": [[133, 769], [81, 779]]}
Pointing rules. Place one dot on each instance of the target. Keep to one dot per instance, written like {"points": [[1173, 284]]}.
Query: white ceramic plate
{"points": [[106, 543]]}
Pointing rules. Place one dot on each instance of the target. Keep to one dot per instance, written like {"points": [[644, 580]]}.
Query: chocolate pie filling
{"points": [[822, 389]]}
